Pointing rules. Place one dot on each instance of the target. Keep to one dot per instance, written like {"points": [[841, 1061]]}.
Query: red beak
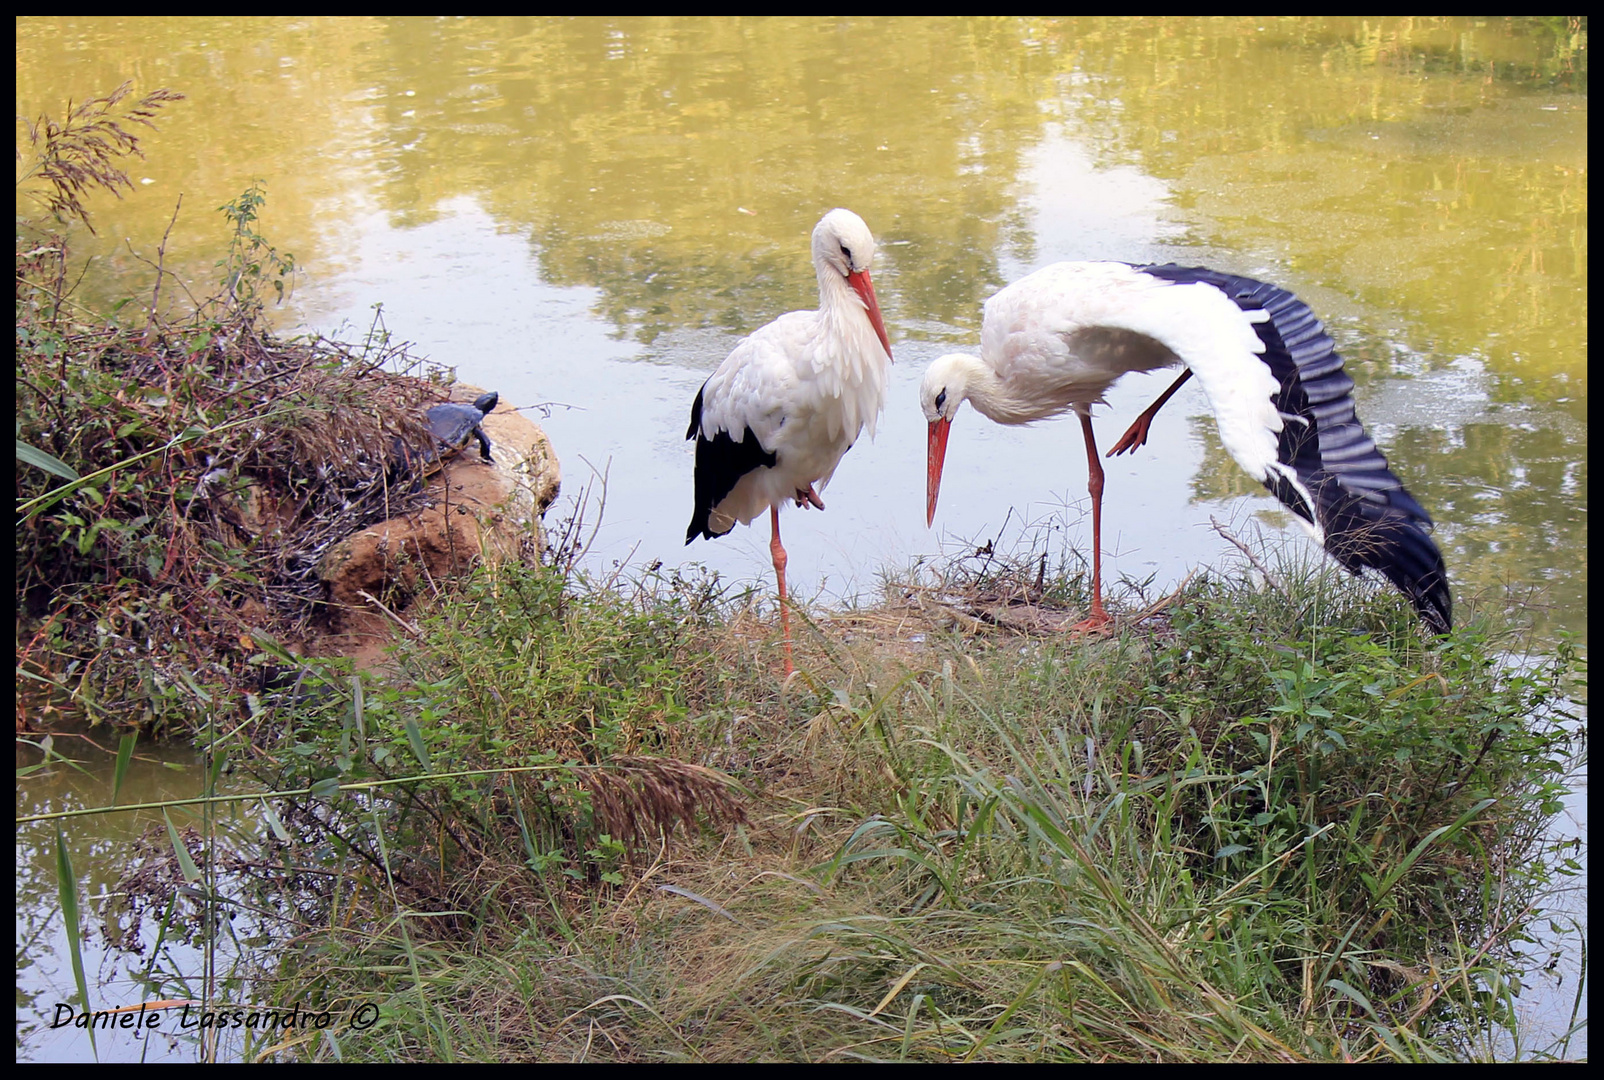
{"points": [[939, 429], [865, 289]]}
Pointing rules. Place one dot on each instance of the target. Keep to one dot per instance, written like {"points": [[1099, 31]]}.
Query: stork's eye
{"points": [[941, 399], [848, 253]]}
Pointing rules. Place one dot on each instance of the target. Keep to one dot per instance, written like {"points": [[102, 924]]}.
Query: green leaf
{"points": [[420, 749], [1353, 995], [125, 756], [32, 455], [67, 889], [274, 823], [186, 864], [1420, 849]]}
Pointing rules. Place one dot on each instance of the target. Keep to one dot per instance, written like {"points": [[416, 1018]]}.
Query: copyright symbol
{"points": [[364, 1017]]}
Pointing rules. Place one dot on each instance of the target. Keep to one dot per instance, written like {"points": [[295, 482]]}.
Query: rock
{"points": [[475, 511]]}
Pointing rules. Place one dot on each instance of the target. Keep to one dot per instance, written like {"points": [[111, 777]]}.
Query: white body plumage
{"points": [[1059, 338], [773, 421]]}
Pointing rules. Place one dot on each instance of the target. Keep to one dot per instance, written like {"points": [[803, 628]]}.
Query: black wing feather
{"points": [[1368, 517], [720, 464]]}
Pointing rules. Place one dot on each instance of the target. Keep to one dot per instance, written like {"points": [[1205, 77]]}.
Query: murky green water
{"points": [[117, 955], [592, 212]]}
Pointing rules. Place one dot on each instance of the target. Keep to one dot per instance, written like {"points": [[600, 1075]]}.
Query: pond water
{"points": [[78, 776], [589, 213], [593, 212]]}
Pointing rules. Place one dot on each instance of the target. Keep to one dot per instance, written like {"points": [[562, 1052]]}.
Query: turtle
{"points": [[454, 424]]}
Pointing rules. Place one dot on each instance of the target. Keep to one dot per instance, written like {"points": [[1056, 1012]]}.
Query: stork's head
{"points": [[843, 243], [945, 387]]}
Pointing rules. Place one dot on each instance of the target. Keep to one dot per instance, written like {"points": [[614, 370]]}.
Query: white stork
{"points": [[1059, 338], [772, 422]]}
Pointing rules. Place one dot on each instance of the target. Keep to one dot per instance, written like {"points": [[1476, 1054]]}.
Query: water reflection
{"points": [[101, 849], [593, 210]]}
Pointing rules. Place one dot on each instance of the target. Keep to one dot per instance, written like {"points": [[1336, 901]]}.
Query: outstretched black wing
{"points": [[1368, 517]]}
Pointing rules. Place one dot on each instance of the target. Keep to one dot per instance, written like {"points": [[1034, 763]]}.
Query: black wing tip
{"points": [[1438, 612], [699, 527], [1426, 589], [696, 414], [1431, 597], [1432, 601], [1395, 543]]}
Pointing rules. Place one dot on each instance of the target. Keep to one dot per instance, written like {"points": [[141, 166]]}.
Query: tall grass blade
{"points": [[1430, 838], [32, 455], [186, 864], [125, 757], [67, 889], [896, 988], [420, 749], [711, 905], [279, 831]]}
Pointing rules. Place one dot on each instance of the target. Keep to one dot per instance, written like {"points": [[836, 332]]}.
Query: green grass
{"points": [[582, 821], [1240, 831]]}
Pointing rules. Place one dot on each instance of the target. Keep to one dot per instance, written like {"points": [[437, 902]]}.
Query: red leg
{"points": [[1136, 434], [1097, 619], [778, 551], [806, 497]]}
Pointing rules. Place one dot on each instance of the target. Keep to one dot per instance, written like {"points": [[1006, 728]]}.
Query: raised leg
{"points": [[778, 551], [1136, 434], [1097, 619], [806, 497]]}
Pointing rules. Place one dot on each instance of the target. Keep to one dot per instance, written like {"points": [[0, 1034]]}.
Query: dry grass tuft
{"points": [[638, 798], [79, 154]]}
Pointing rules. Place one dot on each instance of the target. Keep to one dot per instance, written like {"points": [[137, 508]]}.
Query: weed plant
{"points": [[180, 470], [1254, 829], [583, 820]]}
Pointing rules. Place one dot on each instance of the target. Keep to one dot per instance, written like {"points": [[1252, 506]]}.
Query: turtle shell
{"points": [[455, 424]]}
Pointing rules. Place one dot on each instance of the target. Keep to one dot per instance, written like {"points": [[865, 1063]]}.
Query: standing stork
{"points": [[772, 422], [1059, 338]]}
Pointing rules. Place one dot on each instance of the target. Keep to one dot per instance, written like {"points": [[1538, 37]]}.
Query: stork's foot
{"points": [[806, 497], [1135, 435], [1098, 623]]}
